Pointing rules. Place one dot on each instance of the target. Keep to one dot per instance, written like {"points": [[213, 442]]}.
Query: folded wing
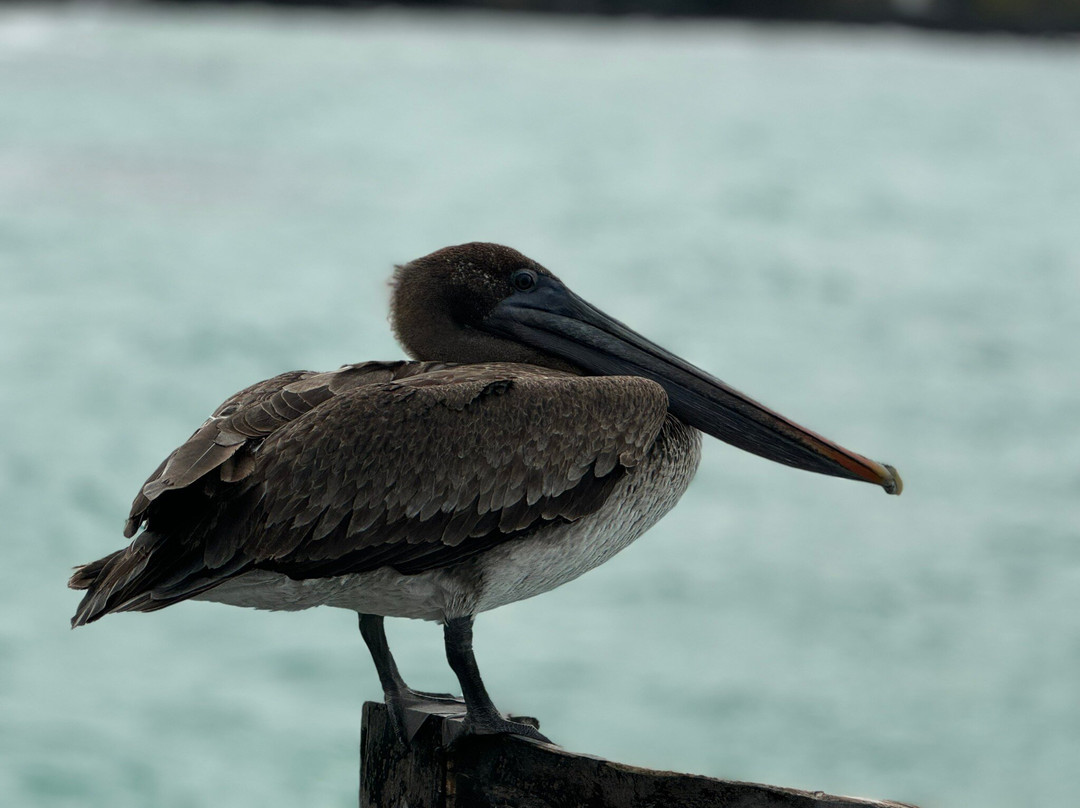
{"points": [[409, 465]]}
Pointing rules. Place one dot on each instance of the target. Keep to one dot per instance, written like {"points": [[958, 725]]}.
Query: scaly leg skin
{"points": [[481, 716], [398, 695]]}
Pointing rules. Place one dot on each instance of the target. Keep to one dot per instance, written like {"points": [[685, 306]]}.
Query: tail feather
{"points": [[86, 574], [150, 574], [113, 581]]}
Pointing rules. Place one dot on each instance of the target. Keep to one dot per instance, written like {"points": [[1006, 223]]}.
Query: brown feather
{"points": [[410, 465]]}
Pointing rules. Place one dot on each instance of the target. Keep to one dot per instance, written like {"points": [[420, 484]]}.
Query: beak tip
{"points": [[893, 484]]}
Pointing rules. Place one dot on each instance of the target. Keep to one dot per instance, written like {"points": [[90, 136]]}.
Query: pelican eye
{"points": [[524, 280]]}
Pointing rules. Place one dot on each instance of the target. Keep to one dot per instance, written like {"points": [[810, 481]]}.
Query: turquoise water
{"points": [[875, 232]]}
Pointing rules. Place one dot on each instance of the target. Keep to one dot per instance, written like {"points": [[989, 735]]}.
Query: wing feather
{"points": [[245, 418], [430, 459], [409, 465]]}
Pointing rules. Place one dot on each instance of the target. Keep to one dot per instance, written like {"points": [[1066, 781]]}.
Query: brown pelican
{"points": [[531, 439]]}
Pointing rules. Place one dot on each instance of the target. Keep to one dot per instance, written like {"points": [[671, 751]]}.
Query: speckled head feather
{"points": [[440, 301]]}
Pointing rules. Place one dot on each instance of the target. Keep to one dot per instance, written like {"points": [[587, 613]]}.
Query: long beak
{"points": [[556, 321]]}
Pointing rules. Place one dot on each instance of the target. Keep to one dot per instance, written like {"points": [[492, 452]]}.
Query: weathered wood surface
{"points": [[512, 772]]}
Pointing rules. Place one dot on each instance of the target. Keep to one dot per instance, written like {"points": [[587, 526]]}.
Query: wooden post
{"points": [[441, 769]]}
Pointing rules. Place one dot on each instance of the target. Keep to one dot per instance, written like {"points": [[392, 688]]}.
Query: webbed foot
{"points": [[492, 723]]}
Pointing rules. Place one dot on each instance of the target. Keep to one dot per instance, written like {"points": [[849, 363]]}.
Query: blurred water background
{"points": [[875, 232]]}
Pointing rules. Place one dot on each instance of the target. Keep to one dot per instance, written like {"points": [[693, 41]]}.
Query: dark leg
{"points": [[398, 695], [482, 717]]}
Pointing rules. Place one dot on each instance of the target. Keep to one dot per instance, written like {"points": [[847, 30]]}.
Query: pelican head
{"points": [[481, 302]]}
